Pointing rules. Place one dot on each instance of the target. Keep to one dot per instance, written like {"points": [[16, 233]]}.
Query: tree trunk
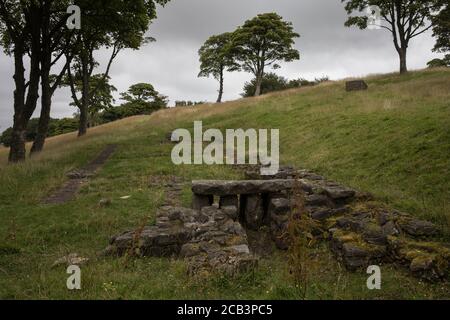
{"points": [[17, 151], [259, 79], [44, 119], [403, 65], [17, 148], [219, 99], [46, 99], [23, 110], [82, 129]]}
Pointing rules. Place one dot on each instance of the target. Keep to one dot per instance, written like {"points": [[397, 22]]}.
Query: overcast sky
{"points": [[171, 64]]}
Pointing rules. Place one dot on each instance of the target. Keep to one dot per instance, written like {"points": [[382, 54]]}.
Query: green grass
{"points": [[393, 141]]}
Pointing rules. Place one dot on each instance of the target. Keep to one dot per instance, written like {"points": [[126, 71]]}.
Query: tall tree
{"points": [[441, 29], [216, 57], [56, 40], [142, 98], [141, 92], [404, 19], [114, 24], [20, 25], [262, 42], [101, 98]]}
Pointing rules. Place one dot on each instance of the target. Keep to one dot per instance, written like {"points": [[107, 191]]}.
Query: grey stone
{"points": [[209, 240], [231, 212], [374, 234], [356, 85], [417, 228], [339, 192], [201, 201], [317, 200], [243, 248], [389, 229], [354, 253], [253, 211], [279, 206], [189, 250], [229, 201], [321, 214], [244, 187]]}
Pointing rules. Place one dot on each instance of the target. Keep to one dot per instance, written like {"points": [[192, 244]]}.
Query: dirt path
{"points": [[79, 177]]}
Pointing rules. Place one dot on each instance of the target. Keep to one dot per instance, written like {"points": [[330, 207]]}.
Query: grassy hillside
{"points": [[392, 140]]}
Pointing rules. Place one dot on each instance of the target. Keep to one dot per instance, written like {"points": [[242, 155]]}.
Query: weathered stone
{"points": [[350, 248], [201, 201], [317, 200], [253, 211], [389, 229], [229, 201], [354, 222], [189, 250], [244, 187], [210, 236], [384, 217], [356, 255], [243, 248], [374, 234], [426, 260], [230, 262], [339, 193], [279, 206], [231, 212], [323, 213], [417, 228], [356, 85]]}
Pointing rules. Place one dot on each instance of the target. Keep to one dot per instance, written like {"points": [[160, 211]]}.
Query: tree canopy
{"points": [[142, 92], [263, 42], [216, 56], [441, 29]]}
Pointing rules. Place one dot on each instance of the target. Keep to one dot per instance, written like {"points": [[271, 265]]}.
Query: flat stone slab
{"points": [[227, 188]]}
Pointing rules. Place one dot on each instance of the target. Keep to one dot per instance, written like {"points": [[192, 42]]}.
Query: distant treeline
{"points": [[56, 127], [272, 82], [140, 99]]}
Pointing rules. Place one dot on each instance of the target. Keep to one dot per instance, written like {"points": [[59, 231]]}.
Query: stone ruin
{"points": [[212, 236], [356, 85]]}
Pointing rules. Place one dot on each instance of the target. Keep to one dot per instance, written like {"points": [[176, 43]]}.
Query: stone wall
{"points": [[212, 236], [362, 232]]}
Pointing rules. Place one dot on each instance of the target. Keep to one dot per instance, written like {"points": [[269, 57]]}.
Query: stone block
{"points": [[253, 211], [201, 201], [356, 85]]}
